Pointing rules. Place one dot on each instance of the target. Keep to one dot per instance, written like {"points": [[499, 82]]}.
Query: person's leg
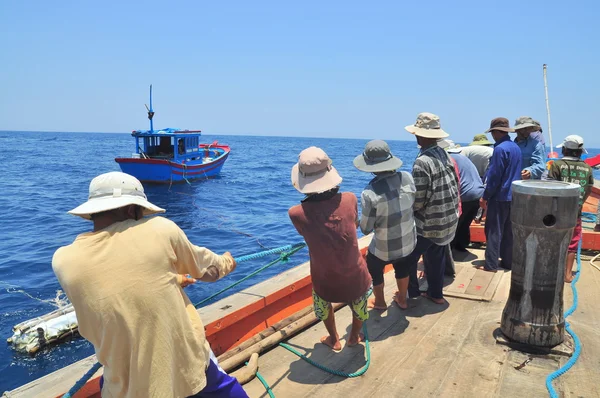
{"points": [[407, 266], [324, 311], [506, 245], [572, 253], [462, 238], [435, 264], [359, 316], [449, 267], [219, 384], [376, 266], [493, 236]]}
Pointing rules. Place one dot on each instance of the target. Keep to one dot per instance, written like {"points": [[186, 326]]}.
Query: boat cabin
{"points": [[171, 144]]}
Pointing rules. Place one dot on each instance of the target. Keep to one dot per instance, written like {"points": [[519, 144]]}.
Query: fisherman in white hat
{"points": [[124, 279], [435, 208], [387, 208], [574, 170], [327, 220]]}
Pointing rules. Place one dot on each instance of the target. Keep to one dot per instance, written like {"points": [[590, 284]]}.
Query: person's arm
{"points": [[494, 173], [199, 262], [368, 214], [537, 162], [422, 181]]}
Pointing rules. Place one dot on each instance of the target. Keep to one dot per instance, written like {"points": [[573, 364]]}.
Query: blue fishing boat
{"points": [[172, 155]]}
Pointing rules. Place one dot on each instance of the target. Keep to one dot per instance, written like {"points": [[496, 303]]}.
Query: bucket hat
{"points": [[111, 191], [314, 172], [481, 139], [447, 144], [526, 121], [377, 157], [573, 142], [427, 126], [500, 123]]}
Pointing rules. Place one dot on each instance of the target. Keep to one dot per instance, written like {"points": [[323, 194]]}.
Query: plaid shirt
{"points": [[387, 208], [436, 202]]}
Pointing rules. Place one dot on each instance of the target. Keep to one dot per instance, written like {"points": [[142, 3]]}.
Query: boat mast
{"points": [[548, 112], [150, 112]]}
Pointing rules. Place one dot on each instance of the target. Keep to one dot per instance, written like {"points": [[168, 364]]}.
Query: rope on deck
{"points": [[285, 252], [577, 351], [358, 373]]}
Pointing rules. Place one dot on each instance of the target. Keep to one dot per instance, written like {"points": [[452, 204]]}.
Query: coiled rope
{"points": [[551, 377], [285, 253]]}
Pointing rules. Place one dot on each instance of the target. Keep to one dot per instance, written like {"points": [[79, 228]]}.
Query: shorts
{"points": [[358, 306], [377, 265], [576, 237]]}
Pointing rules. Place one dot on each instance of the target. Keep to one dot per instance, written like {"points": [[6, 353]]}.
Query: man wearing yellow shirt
{"points": [[124, 279]]}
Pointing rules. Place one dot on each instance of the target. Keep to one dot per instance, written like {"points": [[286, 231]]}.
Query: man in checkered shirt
{"points": [[387, 208]]}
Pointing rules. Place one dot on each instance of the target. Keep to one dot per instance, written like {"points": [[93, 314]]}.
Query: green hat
{"points": [[481, 139]]}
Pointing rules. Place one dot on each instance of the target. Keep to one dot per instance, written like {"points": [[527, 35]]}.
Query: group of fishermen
{"points": [[148, 336]]}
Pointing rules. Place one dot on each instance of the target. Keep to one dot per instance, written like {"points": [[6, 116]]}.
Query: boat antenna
{"points": [[150, 111], [552, 154]]}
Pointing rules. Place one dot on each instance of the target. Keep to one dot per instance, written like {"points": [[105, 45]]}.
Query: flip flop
{"points": [[482, 268]]}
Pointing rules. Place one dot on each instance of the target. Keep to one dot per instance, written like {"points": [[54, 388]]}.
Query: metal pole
{"points": [[548, 111], [152, 112]]}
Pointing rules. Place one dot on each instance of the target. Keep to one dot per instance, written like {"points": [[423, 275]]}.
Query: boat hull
{"points": [[162, 171]]}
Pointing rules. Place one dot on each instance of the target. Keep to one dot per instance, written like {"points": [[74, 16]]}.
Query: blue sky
{"points": [[312, 68]]}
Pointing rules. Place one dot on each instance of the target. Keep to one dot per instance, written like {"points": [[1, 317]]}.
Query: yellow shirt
{"points": [[123, 282]]}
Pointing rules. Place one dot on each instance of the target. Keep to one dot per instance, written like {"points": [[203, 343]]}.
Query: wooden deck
{"points": [[438, 351]]}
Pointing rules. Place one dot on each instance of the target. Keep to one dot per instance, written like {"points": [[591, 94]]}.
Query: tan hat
{"points": [[111, 191], [314, 172], [574, 142], [500, 124], [482, 140], [427, 126], [526, 121]]}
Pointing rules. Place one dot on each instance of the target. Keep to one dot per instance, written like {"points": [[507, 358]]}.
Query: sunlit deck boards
{"points": [[431, 350]]}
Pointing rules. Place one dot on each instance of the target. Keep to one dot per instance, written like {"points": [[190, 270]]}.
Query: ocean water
{"points": [[244, 210]]}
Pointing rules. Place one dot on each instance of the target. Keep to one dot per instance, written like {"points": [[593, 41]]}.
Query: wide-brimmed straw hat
{"points": [[314, 172], [501, 124], [481, 139], [427, 126], [574, 142], [377, 157], [111, 191]]}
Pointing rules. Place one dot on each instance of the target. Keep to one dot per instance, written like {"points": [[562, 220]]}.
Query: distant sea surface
{"points": [[43, 175]]}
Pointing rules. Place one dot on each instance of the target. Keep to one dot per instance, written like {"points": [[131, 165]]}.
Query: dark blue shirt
{"points": [[505, 167], [471, 187]]}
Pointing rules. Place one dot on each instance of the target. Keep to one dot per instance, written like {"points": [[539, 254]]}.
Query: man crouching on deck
{"points": [[327, 220], [124, 279]]}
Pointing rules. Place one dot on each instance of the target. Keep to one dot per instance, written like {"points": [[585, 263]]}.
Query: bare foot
{"points": [[437, 301], [401, 302], [334, 345], [352, 341], [569, 278], [482, 268], [372, 303]]}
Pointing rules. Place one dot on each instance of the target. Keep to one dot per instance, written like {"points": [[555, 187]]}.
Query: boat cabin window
{"points": [[164, 147]]}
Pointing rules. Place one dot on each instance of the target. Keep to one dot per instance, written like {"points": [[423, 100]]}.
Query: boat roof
{"points": [[166, 131]]}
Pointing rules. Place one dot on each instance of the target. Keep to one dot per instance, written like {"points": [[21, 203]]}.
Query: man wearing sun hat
{"points": [[435, 208], [124, 279], [327, 220], [505, 167], [574, 170], [387, 208], [533, 159], [479, 152]]}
